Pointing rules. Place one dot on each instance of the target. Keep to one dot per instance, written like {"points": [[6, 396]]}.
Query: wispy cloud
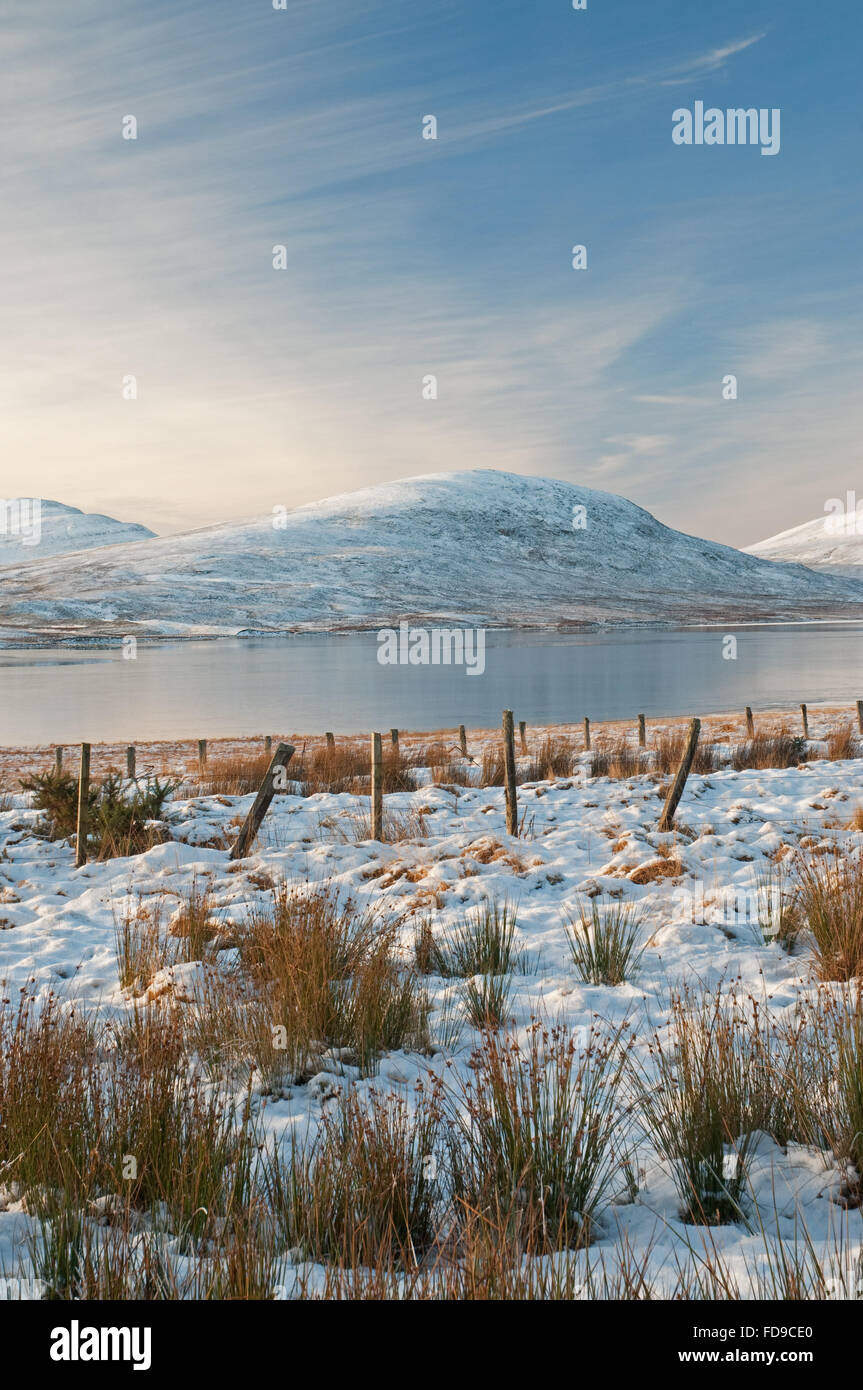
{"points": [[715, 59]]}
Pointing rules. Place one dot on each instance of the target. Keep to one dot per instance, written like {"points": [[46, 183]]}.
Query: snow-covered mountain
{"points": [[833, 543], [478, 547], [33, 528]]}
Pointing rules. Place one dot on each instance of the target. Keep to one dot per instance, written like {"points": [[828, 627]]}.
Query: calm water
{"points": [[313, 683]]}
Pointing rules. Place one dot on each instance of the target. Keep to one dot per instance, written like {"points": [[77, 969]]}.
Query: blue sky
{"points": [[407, 256]]}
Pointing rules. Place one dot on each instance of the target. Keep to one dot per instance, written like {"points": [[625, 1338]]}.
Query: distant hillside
{"points": [[61, 529], [830, 543], [479, 548]]}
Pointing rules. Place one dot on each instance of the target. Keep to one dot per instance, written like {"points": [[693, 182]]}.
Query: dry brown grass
{"points": [[669, 748], [234, 776], [344, 768], [493, 768], [782, 749], [664, 866], [347, 768], [615, 758], [842, 743], [146, 946], [555, 757]]}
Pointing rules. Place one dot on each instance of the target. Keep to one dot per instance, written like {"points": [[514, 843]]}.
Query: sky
{"points": [[407, 257]]}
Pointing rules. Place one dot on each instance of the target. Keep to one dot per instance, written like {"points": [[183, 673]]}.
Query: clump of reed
{"points": [[332, 977], [483, 951], [604, 942], [113, 1115], [722, 1075], [485, 942], [830, 897], [531, 1147], [365, 1192]]}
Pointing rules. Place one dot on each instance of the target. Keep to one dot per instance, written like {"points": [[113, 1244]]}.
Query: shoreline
{"points": [[162, 755], [31, 641]]}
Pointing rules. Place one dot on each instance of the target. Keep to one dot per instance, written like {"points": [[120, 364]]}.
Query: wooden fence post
{"points": [[58, 761], [587, 735], [642, 732], [676, 790], [130, 761], [462, 740], [509, 774], [394, 736], [803, 711], [331, 742], [268, 744], [202, 754], [860, 716], [261, 804], [522, 734], [750, 723], [83, 807], [377, 789]]}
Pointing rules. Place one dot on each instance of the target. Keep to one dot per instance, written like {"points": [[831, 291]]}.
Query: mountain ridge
{"points": [[477, 547]]}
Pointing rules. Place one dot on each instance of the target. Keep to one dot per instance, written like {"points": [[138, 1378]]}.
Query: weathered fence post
{"points": [[676, 791], [83, 807], [750, 723], [261, 804], [394, 735], [331, 742], [462, 740], [586, 735], [860, 716], [130, 762], [522, 734], [58, 761], [377, 789], [509, 774], [805, 715], [642, 732], [202, 754], [268, 744]]}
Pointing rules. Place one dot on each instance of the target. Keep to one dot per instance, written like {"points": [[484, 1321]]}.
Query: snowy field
{"points": [[707, 902]]}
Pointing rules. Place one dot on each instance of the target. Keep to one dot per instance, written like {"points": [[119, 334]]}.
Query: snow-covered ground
{"points": [[582, 837], [480, 547]]}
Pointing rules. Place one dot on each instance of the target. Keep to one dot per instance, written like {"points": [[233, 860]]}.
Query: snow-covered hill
{"points": [[833, 543], [478, 547], [31, 529]]}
